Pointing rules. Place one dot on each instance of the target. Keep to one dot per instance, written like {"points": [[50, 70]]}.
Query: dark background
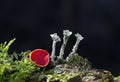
{"points": [[98, 21]]}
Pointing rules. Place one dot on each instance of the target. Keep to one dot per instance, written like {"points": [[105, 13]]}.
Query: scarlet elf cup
{"points": [[40, 57]]}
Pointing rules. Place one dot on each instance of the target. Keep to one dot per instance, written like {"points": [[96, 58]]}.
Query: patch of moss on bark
{"points": [[18, 68]]}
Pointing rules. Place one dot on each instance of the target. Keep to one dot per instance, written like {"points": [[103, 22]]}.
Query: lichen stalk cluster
{"points": [[66, 36]]}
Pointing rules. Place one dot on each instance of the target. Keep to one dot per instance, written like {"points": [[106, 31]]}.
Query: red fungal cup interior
{"points": [[40, 57]]}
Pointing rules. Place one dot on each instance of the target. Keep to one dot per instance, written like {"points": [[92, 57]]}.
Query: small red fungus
{"points": [[40, 57]]}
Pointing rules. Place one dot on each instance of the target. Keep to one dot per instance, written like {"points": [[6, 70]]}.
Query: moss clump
{"points": [[117, 79], [18, 68], [15, 67], [98, 75], [64, 77]]}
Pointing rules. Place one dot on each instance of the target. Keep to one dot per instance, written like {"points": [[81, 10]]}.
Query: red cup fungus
{"points": [[40, 57]]}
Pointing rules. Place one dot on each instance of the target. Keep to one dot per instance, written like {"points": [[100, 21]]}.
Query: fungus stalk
{"points": [[75, 47], [55, 39], [66, 35]]}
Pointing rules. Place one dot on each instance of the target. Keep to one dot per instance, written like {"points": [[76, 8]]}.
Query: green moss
{"points": [[80, 62], [64, 77], [18, 68], [98, 75], [13, 69], [117, 79]]}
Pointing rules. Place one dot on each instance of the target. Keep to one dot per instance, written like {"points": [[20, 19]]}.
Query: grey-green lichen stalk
{"points": [[55, 39], [66, 35], [75, 47]]}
